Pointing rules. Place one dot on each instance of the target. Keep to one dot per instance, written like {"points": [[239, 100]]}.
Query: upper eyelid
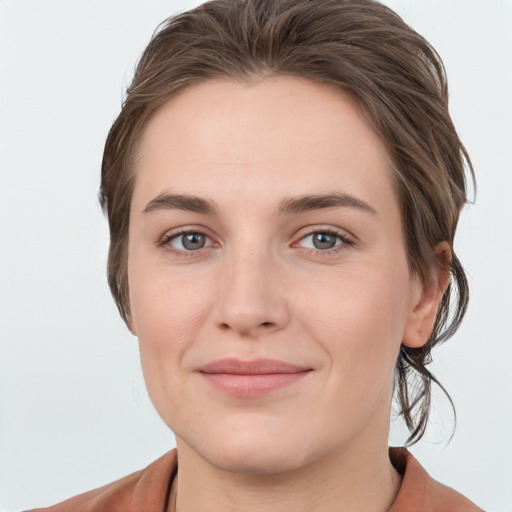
{"points": [[176, 232], [167, 239], [302, 233], [310, 230], [332, 233]]}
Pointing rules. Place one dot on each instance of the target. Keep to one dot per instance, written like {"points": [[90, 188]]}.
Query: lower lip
{"points": [[252, 385]]}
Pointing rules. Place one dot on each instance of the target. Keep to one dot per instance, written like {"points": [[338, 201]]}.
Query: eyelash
{"points": [[346, 241], [172, 236]]}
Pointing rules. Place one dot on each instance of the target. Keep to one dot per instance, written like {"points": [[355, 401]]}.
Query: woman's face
{"points": [[269, 285]]}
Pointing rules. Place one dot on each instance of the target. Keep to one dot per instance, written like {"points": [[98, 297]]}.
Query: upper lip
{"points": [[255, 367]]}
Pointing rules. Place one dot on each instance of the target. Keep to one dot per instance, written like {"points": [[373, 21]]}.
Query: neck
{"points": [[356, 478]]}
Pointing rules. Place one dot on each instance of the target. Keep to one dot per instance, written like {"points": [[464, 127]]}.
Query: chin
{"points": [[251, 453], [256, 460]]}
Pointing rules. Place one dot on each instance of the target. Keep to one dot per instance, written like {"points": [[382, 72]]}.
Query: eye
{"points": [[188, 241], [322, 240]]}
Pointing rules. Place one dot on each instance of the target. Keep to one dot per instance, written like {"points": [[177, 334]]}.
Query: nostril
{"points": [[226, 326]]}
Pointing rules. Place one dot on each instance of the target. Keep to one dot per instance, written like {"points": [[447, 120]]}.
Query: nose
{"points": [[251, 299]]}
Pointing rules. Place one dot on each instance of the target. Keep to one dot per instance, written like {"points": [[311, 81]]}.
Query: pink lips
{"points": [[251, 378]]}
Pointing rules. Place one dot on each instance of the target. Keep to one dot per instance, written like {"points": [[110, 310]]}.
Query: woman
{"points": [[283, 186]]}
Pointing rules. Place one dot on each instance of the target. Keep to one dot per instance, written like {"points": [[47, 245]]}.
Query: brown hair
{"points": [[366, 50]]}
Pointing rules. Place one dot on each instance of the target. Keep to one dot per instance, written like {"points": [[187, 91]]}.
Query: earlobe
{"points": [[131, 325], [425, 300]]}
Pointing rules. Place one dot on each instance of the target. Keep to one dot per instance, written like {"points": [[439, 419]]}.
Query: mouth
{"points": [[248, 379]]}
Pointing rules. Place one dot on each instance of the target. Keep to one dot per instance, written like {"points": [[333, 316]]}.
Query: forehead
{"points": [[278, 132]]}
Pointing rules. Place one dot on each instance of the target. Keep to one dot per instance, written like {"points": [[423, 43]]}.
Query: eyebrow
{"points": [[166, 201], [300, 204], [306, 203]]}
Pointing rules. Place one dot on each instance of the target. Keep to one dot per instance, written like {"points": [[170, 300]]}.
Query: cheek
{"points": [[166, 303], [359, 318], [168, 313]]}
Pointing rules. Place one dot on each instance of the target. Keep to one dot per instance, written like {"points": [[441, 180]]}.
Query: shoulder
{"points": [[420, 492], [147, 490]]}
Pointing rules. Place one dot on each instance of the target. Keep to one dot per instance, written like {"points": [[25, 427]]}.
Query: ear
{"points": [[131, 325], [130, 322], [425, 299]]}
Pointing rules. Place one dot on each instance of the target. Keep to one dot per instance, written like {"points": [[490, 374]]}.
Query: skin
{"points": [[259, 288]]}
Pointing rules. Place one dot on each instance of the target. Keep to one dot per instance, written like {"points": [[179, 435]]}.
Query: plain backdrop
{"points": [[74, 413]]}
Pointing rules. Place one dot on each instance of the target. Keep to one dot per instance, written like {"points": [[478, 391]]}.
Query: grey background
{"points": [[74, 413]]}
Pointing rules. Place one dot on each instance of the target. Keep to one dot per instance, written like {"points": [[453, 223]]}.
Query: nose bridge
{"points": [[250, 298]]}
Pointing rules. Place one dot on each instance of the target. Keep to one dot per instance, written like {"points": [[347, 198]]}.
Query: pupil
{"points": [[193, 241], [324, 241]]}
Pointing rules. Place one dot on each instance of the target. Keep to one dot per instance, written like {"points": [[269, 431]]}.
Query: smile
{"points": [[251, 378]]}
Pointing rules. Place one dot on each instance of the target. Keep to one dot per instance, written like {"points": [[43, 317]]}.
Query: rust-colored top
{"points": [[149, 490]]}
